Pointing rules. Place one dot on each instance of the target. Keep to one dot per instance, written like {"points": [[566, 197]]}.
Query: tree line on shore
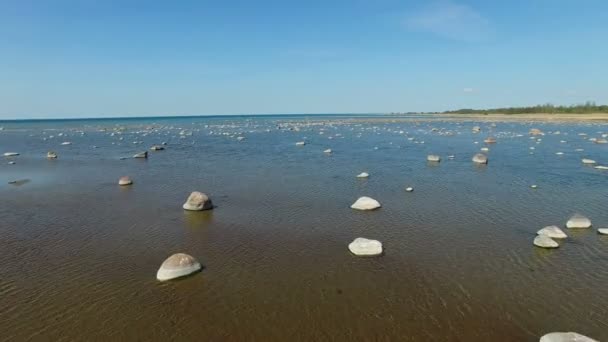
{"points": [[586, 108]]}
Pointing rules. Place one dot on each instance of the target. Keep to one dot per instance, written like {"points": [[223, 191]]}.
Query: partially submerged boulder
{"points": [[198, 201], [480, 158], [366, 203], [51, 155], [142, 155], [578, 221], [365, 247], [544, 241], [125, 180], [363, 175], [433, 158], [553, 232], [177, 266], [566, 337]]}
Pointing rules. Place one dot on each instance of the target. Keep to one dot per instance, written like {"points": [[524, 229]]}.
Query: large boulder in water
{"points": [[125, 180], [176, 266], [480, 158], [365, 247], [566, 337], [198, 201], [544, 241], [433, 158], [578, 221], [553, 232], [366, 203]]}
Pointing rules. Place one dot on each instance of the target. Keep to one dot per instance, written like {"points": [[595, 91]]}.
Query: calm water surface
{"points": [[79, 254]]}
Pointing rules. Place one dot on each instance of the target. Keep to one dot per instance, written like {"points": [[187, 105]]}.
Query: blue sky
{"points": [[133, 58]]}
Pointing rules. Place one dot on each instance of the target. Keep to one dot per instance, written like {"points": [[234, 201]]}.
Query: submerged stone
{"points": [[545, 242], [566, 337], [480, 158], [125, 180], [365, 247], [578, 221], [141, 155], [366, 203], [176, 266], [553, 232], [433, 158], [198, 201]]}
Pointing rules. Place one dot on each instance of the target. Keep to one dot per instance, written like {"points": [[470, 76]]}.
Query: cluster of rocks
{"points": [[545, 237]]}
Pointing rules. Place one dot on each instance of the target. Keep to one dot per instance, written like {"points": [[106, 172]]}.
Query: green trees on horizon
{"points": [[586, 108]]}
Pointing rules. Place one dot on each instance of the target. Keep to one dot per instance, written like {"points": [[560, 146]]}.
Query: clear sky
{"points": [[86, 58]]}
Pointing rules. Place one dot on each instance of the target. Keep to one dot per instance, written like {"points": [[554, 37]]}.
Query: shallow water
{"points": [[79, 254]]}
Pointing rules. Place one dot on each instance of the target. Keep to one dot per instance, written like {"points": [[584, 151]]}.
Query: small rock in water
{"points": [[157, 148], [363, 175], [300, 143], [480, 158], [490, 140], [11, 154], [559, 153], [603, 231], [198, 201], [535, 131], [433, 158], [485, 149], [66, 143], [365, 247], [544, 241], [588, 161], [534, 186], [365, 203], [327, 151], [11, 163], [141, 155], [553, 232], [177, 266], [51, 155], [240, 138], [565, 337], [125, 181], [409, 189], [601, 167], [578, 221]]}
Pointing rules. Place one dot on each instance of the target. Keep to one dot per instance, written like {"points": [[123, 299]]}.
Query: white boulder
{"points": [[198, 201], [480, 158], [363, 175], [588, 161], [176, 266], [11, 154], [553, 232], [578, 221], [545, 242], [365, 247], [365, 203], [51, 155], [603, 231], [125, 180], [566, 337], [433, 158]]}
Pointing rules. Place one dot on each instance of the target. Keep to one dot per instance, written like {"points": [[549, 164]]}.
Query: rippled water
{"points": [[79, 254]]}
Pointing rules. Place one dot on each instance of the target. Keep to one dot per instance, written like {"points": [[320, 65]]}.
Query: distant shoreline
{"points": [[540, 117]]}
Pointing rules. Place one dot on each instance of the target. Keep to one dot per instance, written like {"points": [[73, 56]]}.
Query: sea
{"points": [[79, 253]]}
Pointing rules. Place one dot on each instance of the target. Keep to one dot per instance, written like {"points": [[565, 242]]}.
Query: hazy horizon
{"points": [[118, 59]]}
